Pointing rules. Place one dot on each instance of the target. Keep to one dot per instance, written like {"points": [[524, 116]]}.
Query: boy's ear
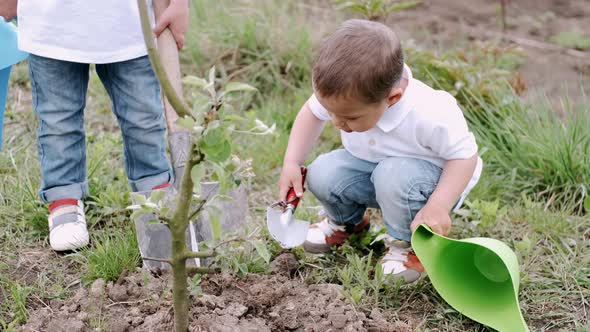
{"points": [[394, 95]]}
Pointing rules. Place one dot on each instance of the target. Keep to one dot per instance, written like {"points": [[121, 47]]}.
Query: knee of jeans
{"points": [[404, 179], [321, 177], [317, 183]]}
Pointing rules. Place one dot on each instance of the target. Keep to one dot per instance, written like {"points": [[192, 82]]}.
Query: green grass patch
{"points": [[572, 39], [533, 151], [110, 255]]}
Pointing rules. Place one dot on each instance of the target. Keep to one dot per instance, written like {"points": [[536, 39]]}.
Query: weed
{"points": [[572, 39], [374, 9], [110, 255], [534, 152]]}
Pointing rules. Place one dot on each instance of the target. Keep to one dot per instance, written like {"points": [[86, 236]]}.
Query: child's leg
{"points": [[135, 93], [342, 183], [402, 188], [59, 97]]}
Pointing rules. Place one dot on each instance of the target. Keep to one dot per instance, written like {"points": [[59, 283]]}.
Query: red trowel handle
{"points": [[291, 196]]}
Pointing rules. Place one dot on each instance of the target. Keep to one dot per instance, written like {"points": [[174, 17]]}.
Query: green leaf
{"points": [[215, 220], [197, 174], [138, 198], [217, 153], [587, 204], [403, 5], [214, 136], [136, 214], [262, 251], [242, 270], [156, 195], [237, 86], [185, 122], [195, 81]]}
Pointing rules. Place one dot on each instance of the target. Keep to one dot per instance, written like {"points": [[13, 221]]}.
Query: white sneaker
{"points": [[400, 261], [67, 225], [326, 234]]}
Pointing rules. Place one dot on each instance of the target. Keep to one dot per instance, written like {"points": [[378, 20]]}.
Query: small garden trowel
{"points": [[281, 223]]}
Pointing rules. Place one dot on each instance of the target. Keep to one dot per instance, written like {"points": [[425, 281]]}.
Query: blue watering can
{"points": [[9, 55]]}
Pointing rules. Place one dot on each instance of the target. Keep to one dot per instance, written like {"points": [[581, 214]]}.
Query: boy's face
{"points": [[353, 115]]}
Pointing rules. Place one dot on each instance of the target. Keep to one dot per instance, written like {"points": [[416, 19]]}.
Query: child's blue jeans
{"points": [[346, 186], [59, 97]]}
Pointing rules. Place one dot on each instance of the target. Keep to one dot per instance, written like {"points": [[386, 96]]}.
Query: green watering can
{"points": [[9, 55], [479, 277]]}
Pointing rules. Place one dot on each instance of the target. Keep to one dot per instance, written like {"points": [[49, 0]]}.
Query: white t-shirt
{"points": [[89, 31], [425, 124]]}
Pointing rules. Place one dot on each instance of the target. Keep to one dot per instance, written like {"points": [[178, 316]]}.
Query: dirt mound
{"points": [[142, 302]]}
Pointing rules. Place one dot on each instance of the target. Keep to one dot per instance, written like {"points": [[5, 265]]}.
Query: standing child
{"points": [[407, 148], [63, 38]]}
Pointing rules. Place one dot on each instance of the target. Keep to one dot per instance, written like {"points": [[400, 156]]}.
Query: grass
{"points": [[110, 255], [534, 151], [531, 195], [572, 39]]}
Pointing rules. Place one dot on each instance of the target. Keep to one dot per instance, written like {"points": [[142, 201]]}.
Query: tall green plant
{"points": [[210, 123], [375, 9], [535, 152]]}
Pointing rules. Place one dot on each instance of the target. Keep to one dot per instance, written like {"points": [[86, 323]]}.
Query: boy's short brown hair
{"points": [[362, 59]]}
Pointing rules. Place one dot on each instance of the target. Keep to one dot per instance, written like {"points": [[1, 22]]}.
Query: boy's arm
{"points": [[175, 17], [8, 9], [305, 132], [455, 177]]}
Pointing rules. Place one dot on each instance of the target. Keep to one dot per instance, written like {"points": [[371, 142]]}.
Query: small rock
{"points": [[338, 320], [331, 290], [73, 307], [70, 325], [285, 264], [137, 321], [118, 293], [236, 310], [290, 306], [80, 295], [97, 288], [134, 312], [334, 309], [82, 316], [119, 326]]}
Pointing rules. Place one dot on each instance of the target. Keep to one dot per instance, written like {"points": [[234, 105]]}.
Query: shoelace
{"points": [[394, 253], [327, 227]]}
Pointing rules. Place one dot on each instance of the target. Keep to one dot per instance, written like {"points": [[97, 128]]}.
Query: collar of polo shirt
{"points": [[396, 113]]}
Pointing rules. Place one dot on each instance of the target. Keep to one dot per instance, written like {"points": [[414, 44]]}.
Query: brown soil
{"points": [[445, 25], [142, 302]]}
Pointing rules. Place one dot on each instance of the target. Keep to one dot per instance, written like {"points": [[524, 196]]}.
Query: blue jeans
{"points": [[346, 186], [59, 97]]}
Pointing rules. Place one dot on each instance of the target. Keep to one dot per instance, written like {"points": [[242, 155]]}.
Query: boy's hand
{"points": [[175, 17], [8, 9], [290, 177], [434, 216]]}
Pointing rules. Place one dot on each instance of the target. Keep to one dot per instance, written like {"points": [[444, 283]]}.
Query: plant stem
{"points": [[178, 230], [190, 254], [179, 106], [503, 14], [202, 270]]}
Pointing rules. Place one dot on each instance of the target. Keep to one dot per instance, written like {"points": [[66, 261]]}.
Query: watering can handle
{"points": [[291, 195]]}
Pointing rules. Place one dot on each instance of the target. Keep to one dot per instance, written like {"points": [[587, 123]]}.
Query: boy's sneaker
{"points": [[326, 234], [400, 261], [67, 225]]}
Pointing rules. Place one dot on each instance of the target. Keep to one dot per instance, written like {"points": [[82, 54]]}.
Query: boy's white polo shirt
{"points": [[425, 124]]}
